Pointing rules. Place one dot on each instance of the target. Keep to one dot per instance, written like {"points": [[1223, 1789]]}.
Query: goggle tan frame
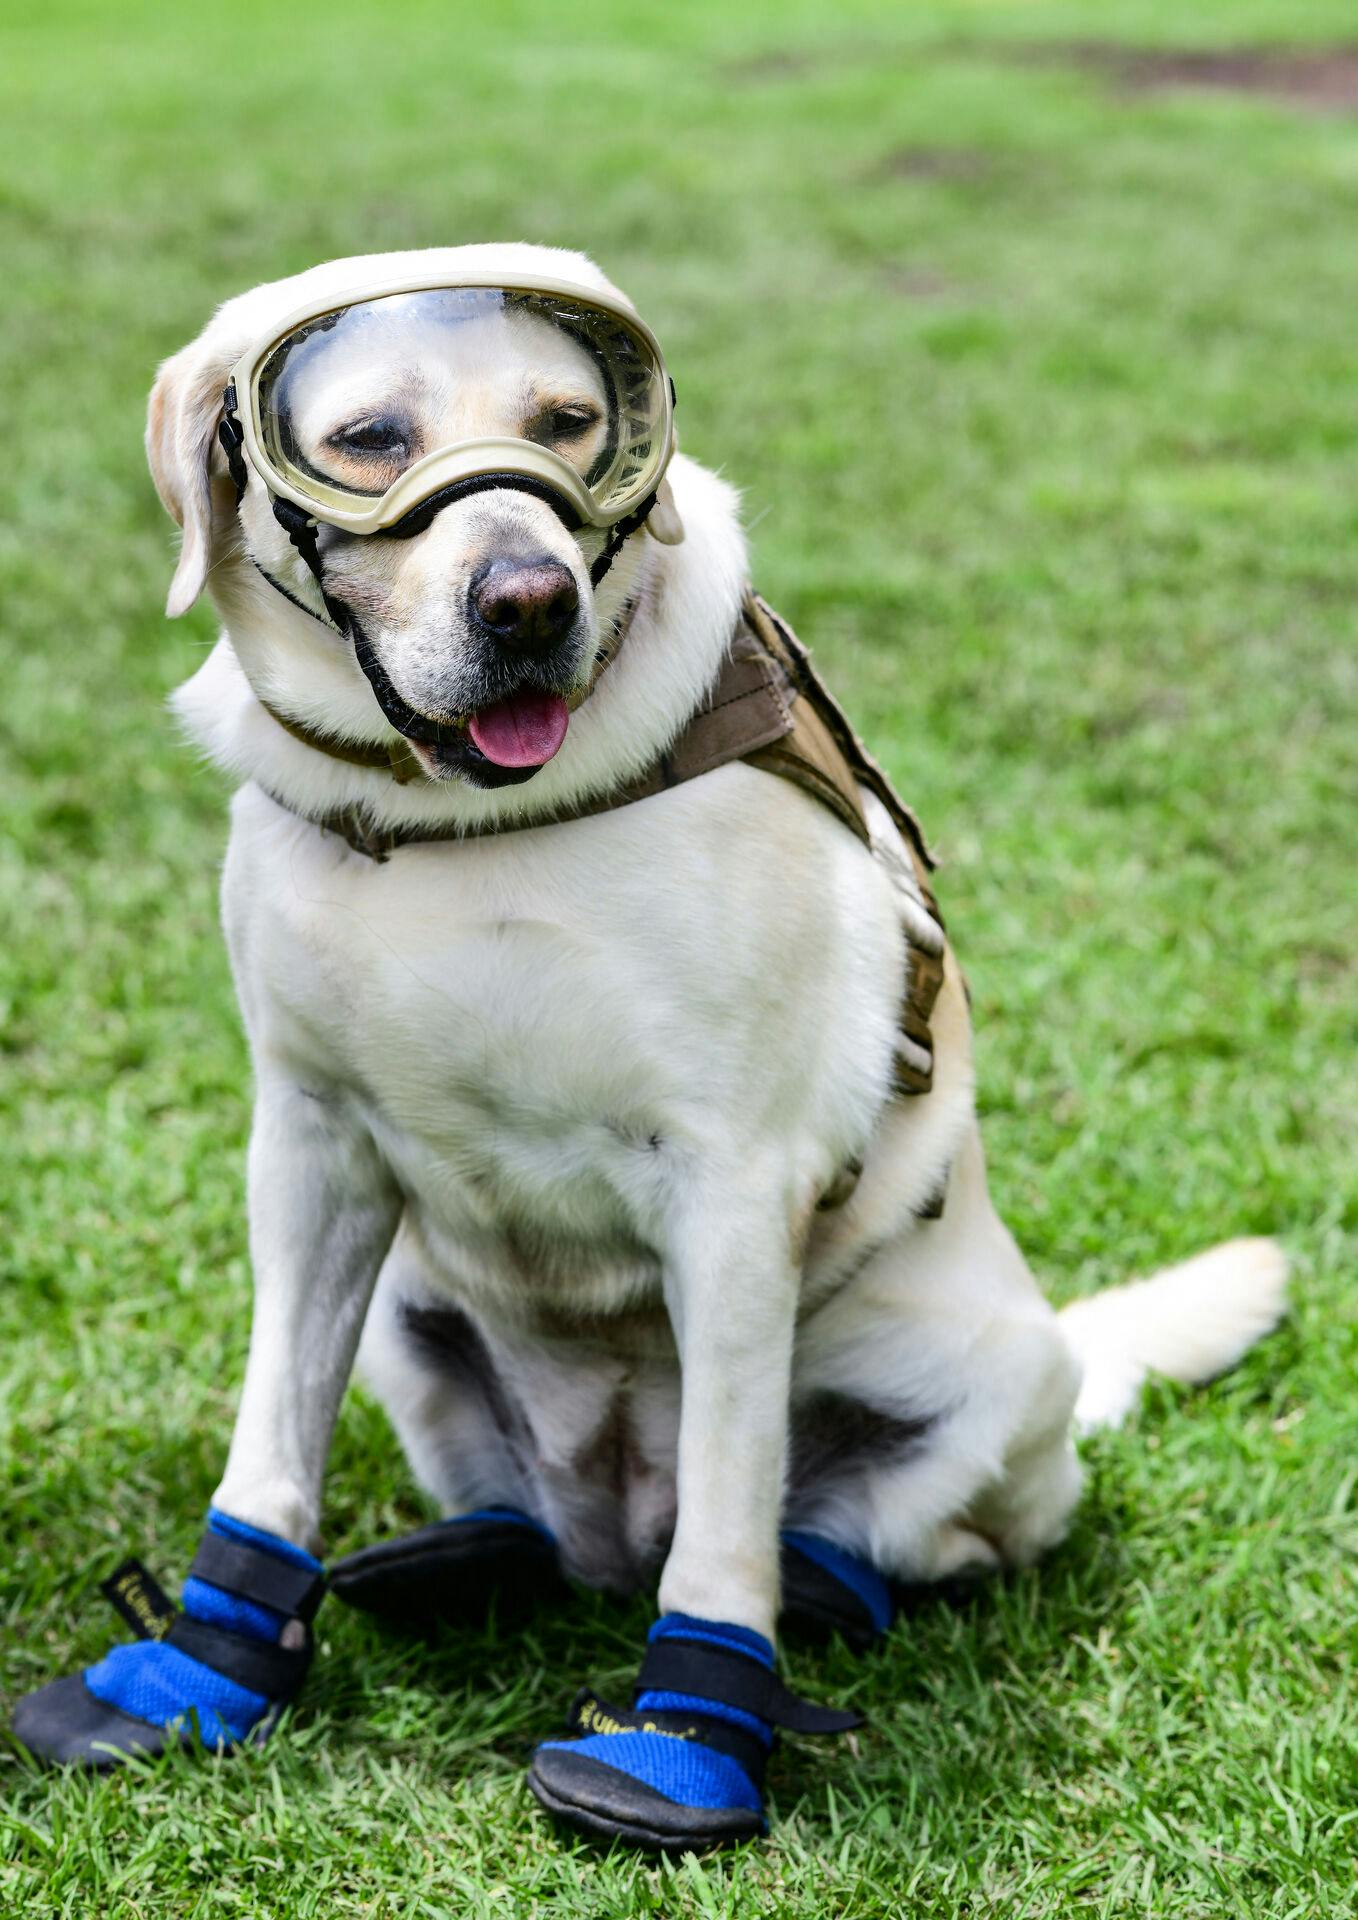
{"points": [[464, 459]]}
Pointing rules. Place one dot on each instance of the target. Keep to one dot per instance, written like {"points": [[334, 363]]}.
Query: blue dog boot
{"points": [[226, 1665], [827, 1589], [454, 1571], [683, 1770]]}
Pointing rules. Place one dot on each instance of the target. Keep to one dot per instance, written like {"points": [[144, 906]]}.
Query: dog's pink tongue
{"points": [[523, 731]]}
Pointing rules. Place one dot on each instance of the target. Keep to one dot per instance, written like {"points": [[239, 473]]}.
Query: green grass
{"points": [[1043, 395]]}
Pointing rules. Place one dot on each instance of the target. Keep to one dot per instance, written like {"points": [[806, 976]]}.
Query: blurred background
{"points": [[1028, 332]]}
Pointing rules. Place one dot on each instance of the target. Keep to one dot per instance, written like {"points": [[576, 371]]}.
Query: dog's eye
{"points": [[569, 422], [377, 438]]}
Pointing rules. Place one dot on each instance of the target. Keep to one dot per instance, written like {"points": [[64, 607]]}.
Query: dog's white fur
{"points": [[568, 1097]]}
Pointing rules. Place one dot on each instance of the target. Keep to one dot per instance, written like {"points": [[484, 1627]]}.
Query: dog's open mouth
{"points": [[501, 744], [524, 730]]}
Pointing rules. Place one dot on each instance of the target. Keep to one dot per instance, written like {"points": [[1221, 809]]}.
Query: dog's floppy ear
{"points": [[663, 522], [181, 446]]}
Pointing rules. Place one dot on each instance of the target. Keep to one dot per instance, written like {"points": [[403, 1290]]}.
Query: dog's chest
{"points": [[502, 1054], [549, 1034]]}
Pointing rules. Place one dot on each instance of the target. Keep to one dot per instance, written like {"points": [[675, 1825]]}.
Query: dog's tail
{"points": [[1190, 1322]]}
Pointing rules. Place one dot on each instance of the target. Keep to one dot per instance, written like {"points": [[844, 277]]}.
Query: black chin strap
{"points": [[302, 530], [304, 533], [617, 533]]}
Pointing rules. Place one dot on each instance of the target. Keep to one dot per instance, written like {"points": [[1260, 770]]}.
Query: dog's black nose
{"points": [[525, 603]]}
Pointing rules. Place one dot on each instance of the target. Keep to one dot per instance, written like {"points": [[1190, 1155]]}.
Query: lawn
{"points": [[1037, 361]]}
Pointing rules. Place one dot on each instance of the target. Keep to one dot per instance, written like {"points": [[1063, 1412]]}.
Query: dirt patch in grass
{"points": [[778, 63], [772, 65], [1319, 79], [933, 163], [917, 283]]}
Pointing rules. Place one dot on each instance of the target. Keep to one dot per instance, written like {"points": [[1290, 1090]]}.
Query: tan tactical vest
{"points": [[771, 709]]}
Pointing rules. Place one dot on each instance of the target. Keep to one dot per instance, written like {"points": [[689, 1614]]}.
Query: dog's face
{"points": [[490, 607], [484, 622]]}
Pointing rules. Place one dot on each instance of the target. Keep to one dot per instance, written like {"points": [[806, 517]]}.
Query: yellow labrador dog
{"points": [[578, 1117]]}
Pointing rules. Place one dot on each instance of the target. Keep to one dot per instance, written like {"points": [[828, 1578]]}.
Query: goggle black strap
{"points": [[616, 535], [233, 442], [422, 516], [303, 532]]}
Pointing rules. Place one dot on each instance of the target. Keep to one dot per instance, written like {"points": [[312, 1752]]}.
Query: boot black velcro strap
{"points": [[709, 1673], [276, 1672], [255, 1575]]}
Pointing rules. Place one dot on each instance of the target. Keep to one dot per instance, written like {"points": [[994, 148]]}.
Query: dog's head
{"points": [[484, 622]]}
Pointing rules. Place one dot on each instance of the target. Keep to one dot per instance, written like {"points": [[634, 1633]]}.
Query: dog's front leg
{"points": [[323, 1210], [731, 1290], [322, 1214], [685, 1767]]}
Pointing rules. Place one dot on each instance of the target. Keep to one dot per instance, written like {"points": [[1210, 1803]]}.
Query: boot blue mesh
{"points": [[160, 1684], [202, 1601], [685, 1771], [859, 1576]]}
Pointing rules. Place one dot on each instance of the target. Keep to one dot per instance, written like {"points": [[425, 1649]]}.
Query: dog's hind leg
{"points": [[429, 1364], [931, 1416], [988, 1479], [471, 1450]]}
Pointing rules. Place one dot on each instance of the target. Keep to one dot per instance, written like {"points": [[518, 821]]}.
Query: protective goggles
{"points": [[359, 412]]}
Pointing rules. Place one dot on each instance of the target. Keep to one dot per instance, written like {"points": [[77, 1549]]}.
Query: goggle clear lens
{"points": [[351, 400]]}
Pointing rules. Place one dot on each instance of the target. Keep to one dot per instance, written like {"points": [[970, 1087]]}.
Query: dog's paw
{"points": [[682, 1769], [959, 1553], [229, 1662], [453, 1571], [827, 1589]]}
